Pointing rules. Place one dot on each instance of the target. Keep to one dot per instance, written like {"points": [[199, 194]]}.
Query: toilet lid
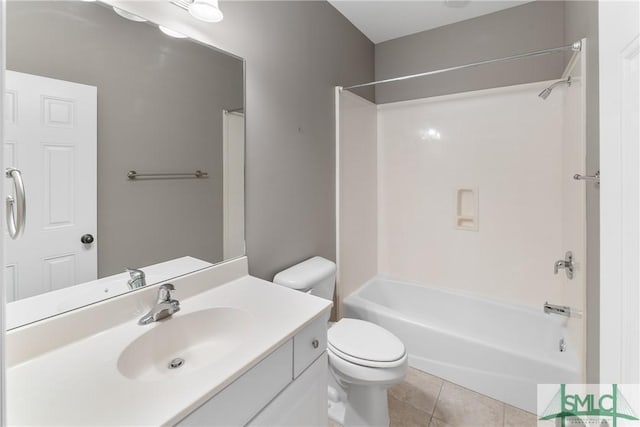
{"points": [[364, 343]]}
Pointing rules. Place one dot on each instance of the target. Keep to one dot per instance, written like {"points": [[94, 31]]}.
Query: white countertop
{"points": [[79, 383]]}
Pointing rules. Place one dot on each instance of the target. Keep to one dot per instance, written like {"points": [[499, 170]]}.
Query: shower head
{"points": [[545, 93]]}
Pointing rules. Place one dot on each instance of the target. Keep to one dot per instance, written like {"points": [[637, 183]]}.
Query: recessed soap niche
{"points": [[466, 209]]}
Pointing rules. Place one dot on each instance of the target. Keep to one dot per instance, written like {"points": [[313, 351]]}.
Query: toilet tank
{"points": [[316, 276]]}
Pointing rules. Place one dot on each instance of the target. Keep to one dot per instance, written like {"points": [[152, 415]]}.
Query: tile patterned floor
{"points": [[423, 400]]}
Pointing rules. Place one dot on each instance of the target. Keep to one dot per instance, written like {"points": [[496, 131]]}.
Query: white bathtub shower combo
{"points": [[497, 349], [452, 212]]}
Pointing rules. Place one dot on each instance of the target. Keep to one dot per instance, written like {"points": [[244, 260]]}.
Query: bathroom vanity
{"points": [[241, 351]]}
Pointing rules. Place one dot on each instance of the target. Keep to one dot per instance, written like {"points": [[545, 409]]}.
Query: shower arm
{"points": [[559, 82]]}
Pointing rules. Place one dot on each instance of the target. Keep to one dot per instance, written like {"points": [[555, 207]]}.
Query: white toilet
{"points": [[364, 358]]}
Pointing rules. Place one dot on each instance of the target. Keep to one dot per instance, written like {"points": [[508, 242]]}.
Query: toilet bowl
{"points": [[364, 358]]}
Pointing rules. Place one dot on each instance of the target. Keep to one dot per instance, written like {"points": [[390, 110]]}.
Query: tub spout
{"points": [[562, 345]]}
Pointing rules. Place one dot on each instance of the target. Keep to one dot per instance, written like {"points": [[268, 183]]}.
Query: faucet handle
{"points": [[137, 279], [567, 264], [135, 273], [168, 286], [164, 292], [558, 265]]}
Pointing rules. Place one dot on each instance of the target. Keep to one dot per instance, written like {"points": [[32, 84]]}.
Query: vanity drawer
{"points": [[309, 343], [245, 397]]}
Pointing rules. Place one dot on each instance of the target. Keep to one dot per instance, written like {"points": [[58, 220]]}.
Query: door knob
{"points": [[87, 239]]}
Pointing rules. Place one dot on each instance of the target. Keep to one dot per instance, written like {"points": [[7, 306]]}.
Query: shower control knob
{"points": [[87, 239], [567, 264]]}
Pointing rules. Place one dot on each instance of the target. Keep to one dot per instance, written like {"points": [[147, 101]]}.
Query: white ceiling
{"points": [[383, 20]]}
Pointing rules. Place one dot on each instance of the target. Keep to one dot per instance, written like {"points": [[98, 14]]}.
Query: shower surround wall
{"points": [[357, 194], [504, 142]]}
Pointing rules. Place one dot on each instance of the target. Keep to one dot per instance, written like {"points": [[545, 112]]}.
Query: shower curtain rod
{"points": [[577, 46]]}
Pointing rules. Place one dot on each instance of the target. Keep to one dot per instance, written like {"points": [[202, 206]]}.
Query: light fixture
{"points": [[171, 33], [206, 10], [128, 15]]}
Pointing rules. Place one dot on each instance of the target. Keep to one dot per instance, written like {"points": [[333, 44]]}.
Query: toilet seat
{"points": [[365, 344], [352, 373]]}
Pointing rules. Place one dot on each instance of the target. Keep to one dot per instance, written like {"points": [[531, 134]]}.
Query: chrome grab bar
{"points": [[137, 175], [17, 219], [561, 310], [594, 178]]}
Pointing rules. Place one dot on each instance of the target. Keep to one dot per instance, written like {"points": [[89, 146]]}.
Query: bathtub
{"points": [[497, 349]]}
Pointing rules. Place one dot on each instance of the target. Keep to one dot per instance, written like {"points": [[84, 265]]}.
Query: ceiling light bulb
{"points": [[206, 10], [171, 33], [128, 15]]}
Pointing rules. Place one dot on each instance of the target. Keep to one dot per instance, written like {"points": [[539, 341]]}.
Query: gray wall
{"points": [[296, 52], [581, 20], [533, 26], [160, 104]]}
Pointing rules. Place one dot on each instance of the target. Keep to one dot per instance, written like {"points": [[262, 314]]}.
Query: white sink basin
{"points": [[199, 339]]}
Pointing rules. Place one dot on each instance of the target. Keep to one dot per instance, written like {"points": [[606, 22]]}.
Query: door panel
{"points": [[619, 37], [51, 136], [60, 271], [58, 185]]}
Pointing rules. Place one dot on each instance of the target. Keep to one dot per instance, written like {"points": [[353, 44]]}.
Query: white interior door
{"points": [[51, 136], [233, 176], [619, 34]]}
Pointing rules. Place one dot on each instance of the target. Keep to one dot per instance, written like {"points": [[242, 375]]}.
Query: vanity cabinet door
{"points": [[302, 403], [309, 343], [245, 397]]}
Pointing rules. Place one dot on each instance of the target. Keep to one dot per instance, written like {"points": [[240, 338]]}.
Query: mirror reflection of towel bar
{"points": [[133, 175]]}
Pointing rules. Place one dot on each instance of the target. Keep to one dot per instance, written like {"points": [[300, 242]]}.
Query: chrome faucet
{"points": [[137, 279], [165, 306]]}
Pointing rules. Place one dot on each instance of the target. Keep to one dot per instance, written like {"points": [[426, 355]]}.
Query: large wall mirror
{"points": [[131, 148]]}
